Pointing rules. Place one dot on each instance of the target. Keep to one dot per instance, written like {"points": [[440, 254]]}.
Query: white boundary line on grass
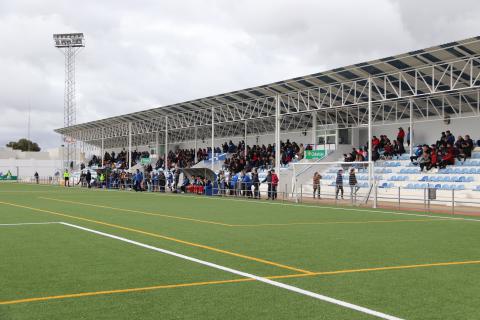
{"points": [[243, 274], [27, 224]]}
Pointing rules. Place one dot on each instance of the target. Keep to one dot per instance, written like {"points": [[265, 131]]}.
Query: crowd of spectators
{"points": [[438, 155], [260, 156], [443, 152]]}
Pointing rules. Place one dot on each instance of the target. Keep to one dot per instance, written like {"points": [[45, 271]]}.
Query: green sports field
{"points": [[102, 256]]}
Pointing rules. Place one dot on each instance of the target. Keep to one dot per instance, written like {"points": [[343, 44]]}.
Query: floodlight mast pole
{"points": [[70, 44]]}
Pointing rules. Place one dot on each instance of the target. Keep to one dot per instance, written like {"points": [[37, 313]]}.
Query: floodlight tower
{"points": [[70, 44]]}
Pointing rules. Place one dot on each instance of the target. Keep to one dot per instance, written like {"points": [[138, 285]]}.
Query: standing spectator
{"points": [[162, 180], [66, 178], [339, 184], [138, 179], [301, 152], [400, 135], [352, 181], [275, 181], [148, 180], [36, 177], [316, 184], [247, 185], [88, 178], [256, 184]]}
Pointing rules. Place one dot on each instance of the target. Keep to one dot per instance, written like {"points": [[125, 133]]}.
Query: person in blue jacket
{"points": [[138, 178], [247, 185], [233, 184]]}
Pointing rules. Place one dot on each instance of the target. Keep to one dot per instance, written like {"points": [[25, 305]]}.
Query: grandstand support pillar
{"points": [[157, 144], [213, 137], [129, 145], [165, 164], [245, 140], [102, 152], [195, 145], [411, 128], [314, 128], [277, 134], [371, 180]]}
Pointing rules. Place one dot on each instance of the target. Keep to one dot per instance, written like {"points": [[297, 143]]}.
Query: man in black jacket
{"points": [[88, 178], [256, 184], [352, 181], [339, 184]]}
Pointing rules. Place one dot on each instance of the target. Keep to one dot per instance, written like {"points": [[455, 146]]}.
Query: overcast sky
{"points": [[146, 53]]}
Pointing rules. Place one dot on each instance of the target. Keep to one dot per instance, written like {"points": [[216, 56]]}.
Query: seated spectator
{"points": [[448, 157], [417, 153], [388, 150], [424, 161]]}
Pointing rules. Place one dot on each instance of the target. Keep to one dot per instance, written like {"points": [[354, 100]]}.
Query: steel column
{"points": [[245, 140], [314, 128], [411, 127], [213, 138], [195, 146], [277, 134], [129, 145], [165, 163], [103, 146], [371, 181]]}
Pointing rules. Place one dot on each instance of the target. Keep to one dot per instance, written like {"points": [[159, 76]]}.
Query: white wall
{"points": [[27, 168]]}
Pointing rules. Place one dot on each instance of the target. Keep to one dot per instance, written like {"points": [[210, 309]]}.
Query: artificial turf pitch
{"points": [[405, 265]]}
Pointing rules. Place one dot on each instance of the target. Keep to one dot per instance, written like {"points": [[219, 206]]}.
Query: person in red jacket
{"points": [[275, 181], [400, 135], [448, 158]]}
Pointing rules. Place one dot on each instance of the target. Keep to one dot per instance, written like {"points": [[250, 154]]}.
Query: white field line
{"points": [[26, 224], [243, 274]]}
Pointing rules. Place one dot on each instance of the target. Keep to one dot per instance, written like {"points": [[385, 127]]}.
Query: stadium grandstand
{"points": [[430, 90], [283, 201]]}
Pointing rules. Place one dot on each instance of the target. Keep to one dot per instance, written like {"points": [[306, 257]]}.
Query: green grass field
{"points": [[409, 266]]}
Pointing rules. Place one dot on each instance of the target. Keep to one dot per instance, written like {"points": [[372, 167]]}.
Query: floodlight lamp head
{"points": [[66, 40]]}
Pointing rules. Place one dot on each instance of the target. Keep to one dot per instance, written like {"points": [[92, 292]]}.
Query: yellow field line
{"points": [[97, 293], [238, 225], [334, 222], [414, 266], [192, 284], [138, 211], [161, 237]]}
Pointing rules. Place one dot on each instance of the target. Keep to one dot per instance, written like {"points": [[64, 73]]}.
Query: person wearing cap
{"points": [[352, 181], [339, 184]]}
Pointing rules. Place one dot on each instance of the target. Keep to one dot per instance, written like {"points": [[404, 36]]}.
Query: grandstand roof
{"points": [[443, 53]]}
